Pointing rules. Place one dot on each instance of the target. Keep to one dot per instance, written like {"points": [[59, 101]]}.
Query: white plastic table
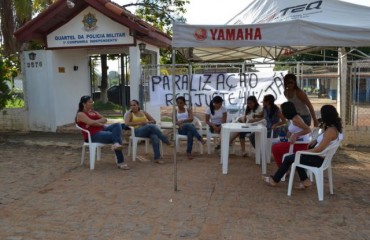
{"points": [[261, 139]]}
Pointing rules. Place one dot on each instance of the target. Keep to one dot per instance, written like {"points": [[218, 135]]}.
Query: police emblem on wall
{"points": [[89, 22]]}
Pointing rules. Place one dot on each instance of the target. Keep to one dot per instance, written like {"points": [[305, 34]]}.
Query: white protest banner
{"points": [[232, 87]]}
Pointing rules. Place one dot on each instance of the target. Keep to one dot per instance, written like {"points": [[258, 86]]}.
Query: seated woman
{"points": [[273, 116], [145, 127], [92, 121], [184, 119], [297, 131], [253, 108], [216, 115], [332, 132]]}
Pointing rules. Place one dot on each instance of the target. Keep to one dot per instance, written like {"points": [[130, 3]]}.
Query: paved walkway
{"points": [[46, 194]]}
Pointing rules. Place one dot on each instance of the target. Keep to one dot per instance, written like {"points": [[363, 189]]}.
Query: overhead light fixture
{"points": [[32, 56], [142, 47], [70, 4]]}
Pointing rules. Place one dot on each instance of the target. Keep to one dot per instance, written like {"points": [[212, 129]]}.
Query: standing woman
{"points": [[273, 116], [145, 127], [297, 131], [332, 133], [92, 121], [184, 119], [301, 102], [216, 115]]}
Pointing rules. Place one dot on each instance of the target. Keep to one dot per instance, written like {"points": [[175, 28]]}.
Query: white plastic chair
{"points": [[133, 142], [270, 141], [198, 124], [328, 154], [313, 135], [236, 120], [211, 137], [94, 149]]}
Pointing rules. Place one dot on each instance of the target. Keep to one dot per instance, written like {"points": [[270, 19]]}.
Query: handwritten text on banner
{"points": [[232, 87]]}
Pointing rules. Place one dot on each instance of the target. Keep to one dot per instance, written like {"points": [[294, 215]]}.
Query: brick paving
{"points": [[46, 194]]}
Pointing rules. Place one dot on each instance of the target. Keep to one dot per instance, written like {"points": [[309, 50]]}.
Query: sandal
{"points": [[123, 166], [158, 161], [142, 159], [117, 147], [190, 157], [269, 181], [302, 186]]}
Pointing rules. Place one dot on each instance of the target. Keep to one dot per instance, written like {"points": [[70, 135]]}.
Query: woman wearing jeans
{"points": [[145, 127], [184, 119], [92, 121]]}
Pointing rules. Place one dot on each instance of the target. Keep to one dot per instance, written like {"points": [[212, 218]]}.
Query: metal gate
{"points": [[358, 94]]}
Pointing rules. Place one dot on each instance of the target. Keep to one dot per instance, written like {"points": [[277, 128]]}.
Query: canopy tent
{"points": [[272, 28]]}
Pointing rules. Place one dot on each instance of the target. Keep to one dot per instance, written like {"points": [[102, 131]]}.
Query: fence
{"points": [[319, 80]]}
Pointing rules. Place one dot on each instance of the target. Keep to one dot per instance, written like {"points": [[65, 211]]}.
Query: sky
{"points": [[218, 11]]}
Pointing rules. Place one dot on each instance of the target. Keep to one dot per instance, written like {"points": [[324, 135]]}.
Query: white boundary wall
{"points": [[54, 89]]}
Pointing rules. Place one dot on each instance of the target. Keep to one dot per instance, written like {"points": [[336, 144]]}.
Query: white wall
{"points": [[154, 111], [52, 95], [53, 89], [37, 88], [68, 87]]}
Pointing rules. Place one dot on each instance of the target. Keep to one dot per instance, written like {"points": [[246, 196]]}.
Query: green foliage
{"points": [[330, 55], [161, 13], [100, 106], [323, 55], [281, 67], [8, 70], [15, 102]]}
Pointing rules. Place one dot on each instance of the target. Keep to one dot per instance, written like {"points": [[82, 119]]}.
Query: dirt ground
{"points": [[46, 194]]}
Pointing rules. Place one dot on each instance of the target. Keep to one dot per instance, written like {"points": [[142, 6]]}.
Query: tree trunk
{"points": [[104, 78], [7, 27]]}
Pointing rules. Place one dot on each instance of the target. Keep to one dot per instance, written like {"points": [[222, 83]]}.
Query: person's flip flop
{"points": [[269, 182], [301, 186], [142, 159], [123, 166]]}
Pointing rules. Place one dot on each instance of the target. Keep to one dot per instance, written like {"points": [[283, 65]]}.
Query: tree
{"points": [[8, 71], [324, 55], [104, 78], [161, 13], [13, 14]]}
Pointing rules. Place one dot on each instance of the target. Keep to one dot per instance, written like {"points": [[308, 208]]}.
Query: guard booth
{"points": [[57, 76]]}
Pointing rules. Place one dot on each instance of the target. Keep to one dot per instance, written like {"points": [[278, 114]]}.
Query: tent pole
{"points": [[342, 85], [174, 119]]}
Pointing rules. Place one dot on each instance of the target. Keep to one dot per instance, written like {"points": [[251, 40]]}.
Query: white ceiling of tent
{"points": [[304, 23]]}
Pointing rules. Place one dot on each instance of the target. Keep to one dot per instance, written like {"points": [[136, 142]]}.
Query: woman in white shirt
{"points": [[216, 115], [332, 125], [184, 119], [297, 131], [253, 108]]}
